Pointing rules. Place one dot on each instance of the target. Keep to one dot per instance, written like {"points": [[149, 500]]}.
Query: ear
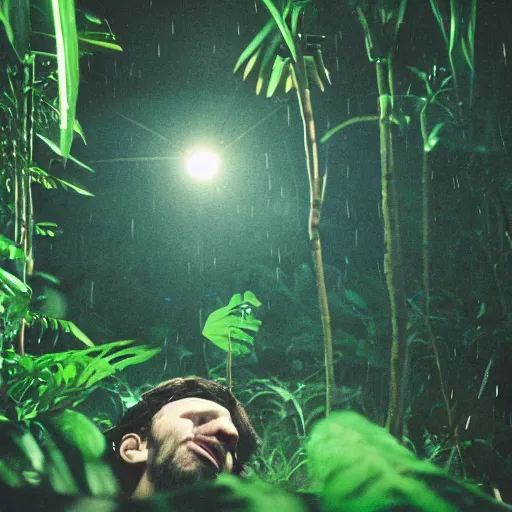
{"points": [[133, 449]]}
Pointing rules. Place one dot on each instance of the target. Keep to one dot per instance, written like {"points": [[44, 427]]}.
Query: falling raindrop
{"points": [[355, 238], [467, 422], [215, 263], [91, 296], [90, 218], [279, 255], [378, 209], [348, 208], [132, 229], [238, 28], [158, 50], [496, 390], [348, 106], [172, 27], [277, 273], [288, 114], [504, 53], [153, 206], [266, 161], [336, 51], [451, 394], [348, 171], [252, 211], [271, 252], [269, 182], [282, 192], [214, 48], [255, 7]]}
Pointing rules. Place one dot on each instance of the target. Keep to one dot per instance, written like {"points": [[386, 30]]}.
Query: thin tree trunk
{"points": [[392, 270], [316, 183]]}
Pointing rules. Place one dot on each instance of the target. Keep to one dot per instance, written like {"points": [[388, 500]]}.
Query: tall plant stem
{"points": [[397, 379], [25, 207], [425, 228], [229, 364], [316, 185]]}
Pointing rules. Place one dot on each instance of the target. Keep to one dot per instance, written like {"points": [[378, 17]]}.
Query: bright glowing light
{"points": [[203, 164]]}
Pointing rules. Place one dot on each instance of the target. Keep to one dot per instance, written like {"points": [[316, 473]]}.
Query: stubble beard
{"points": [[178, 469]]}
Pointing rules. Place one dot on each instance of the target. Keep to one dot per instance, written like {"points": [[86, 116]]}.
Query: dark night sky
{"points": [[175, 76]]}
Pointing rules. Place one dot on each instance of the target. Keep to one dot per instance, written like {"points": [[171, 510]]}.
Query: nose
{"points": [[222, 428]]}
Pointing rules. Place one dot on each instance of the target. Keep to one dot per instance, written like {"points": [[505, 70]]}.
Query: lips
{"points": [[207, 451]]}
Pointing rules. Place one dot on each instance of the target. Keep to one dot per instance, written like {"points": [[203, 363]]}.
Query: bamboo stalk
{"points": [[397, 379], [316, 201]]}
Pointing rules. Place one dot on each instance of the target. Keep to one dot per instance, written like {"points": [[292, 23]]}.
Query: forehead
{"points": [[193, 404]]}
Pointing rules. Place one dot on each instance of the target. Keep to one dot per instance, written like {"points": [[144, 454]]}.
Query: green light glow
{"points": [[203, 164]]}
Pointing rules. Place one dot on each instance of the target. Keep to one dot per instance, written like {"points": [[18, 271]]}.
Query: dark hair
{"points": [[137, 419]]}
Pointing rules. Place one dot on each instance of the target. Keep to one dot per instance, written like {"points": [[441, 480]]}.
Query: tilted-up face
{"points": [[190, 440]]}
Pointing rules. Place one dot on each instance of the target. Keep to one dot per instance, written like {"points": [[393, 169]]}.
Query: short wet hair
{"points": [[138, 418]]}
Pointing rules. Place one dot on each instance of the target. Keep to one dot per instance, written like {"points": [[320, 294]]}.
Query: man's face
{"points": [[191, 439]]}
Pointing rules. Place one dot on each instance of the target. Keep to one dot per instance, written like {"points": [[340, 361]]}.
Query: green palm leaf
{"points": [[283, 28], [254, 45], [67, 61]]}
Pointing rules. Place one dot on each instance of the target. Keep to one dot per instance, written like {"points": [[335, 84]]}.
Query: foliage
{"points": [[63, 453], [358, 465], [57, 381], [277, 43], [16, 18], [225, 327]]}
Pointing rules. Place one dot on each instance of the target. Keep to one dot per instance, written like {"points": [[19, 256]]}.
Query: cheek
{"points": [[171, 430]]}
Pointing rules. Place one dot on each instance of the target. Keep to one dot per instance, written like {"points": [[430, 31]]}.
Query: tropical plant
{"points": [[358, 465], [459, 38], [291, 58], [226, 328], [28, 109]]}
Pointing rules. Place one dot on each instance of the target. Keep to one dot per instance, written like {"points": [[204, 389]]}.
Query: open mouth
{"points": [[206, 451]]}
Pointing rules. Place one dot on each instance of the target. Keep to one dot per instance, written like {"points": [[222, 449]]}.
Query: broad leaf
{"points": [[360, 466], [68, 70], [228, 324], [15, 15], [8, 249]]}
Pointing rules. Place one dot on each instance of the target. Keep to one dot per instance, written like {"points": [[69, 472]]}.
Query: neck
{"points": [[144, 488]]}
